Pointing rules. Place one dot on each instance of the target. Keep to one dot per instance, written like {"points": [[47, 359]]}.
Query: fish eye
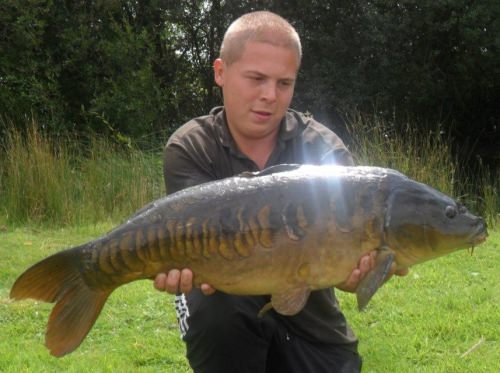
{"points": [[450, 212]]}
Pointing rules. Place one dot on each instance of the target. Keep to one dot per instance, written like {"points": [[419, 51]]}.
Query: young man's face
{"points": [[257, 88]]}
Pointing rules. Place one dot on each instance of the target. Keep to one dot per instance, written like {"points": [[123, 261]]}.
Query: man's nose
{"points": [[269, 90]]}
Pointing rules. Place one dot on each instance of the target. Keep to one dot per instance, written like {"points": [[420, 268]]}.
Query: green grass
{"points": [[423, 322]]}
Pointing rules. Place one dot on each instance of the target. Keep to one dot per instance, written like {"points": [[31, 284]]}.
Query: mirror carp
{"points": [[284, 231]]}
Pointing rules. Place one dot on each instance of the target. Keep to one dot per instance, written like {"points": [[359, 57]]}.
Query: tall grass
{"points": [[426, 157], [491, 201], [118, 181], [59, 181], [35, 176]]}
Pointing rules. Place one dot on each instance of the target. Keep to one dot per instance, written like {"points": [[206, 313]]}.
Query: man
{"points": [[257, 69]]}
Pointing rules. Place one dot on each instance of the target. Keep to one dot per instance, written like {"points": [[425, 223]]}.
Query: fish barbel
{"points": [[284, 231]]}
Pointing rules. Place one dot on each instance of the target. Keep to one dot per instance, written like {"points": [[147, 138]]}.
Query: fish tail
{"points": [[58, 279]]}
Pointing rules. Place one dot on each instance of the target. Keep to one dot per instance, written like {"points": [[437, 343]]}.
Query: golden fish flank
{"points": [[285, 232]]}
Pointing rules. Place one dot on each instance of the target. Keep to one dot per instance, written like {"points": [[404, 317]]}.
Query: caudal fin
{"points": [[58, 279]]}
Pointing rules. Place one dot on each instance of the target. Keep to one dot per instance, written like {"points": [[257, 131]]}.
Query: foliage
{"points": [[133, 68], [111, 67]]}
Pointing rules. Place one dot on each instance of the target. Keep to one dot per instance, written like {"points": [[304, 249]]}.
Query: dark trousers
{"points": [[225, 335]]}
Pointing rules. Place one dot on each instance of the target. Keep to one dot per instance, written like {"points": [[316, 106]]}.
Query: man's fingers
{"points": [[351, 283], [353, 280], [160, 281], [373, 257], [365, 264], [179, 281], [186, 281], [172, 281], [207, 289]]}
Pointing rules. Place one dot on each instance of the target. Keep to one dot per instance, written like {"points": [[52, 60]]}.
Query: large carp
{"points": [[284, 231]]}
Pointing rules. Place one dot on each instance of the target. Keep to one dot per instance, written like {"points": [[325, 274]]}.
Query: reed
{"points": [[425, 156], [68, 180], [63, 182]]}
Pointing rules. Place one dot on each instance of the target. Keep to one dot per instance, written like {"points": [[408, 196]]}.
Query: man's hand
{"points": [[176, 281], [365, 265]]}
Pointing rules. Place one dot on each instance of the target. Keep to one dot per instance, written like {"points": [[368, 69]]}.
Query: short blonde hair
{"points": [[260, 26]]}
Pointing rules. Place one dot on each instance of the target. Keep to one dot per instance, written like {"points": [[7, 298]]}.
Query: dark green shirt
{"points": [[203, 150]]}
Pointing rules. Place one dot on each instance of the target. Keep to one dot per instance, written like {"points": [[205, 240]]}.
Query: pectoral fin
{"points": [[374, 279], [288, 302]]}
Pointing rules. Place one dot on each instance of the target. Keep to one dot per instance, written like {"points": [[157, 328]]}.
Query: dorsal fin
{"points": [[271, 170]]}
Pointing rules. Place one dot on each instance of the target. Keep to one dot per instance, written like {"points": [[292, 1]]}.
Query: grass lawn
{"points": [[443, 317]]}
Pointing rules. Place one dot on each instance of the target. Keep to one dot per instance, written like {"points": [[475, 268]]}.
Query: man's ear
{"points": [[219, 72]]}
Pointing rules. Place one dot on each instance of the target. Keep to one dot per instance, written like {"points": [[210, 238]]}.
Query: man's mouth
{"points": [[262, 114]]}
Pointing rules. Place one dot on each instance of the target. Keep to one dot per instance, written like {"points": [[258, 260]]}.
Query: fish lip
{"points": [[478, 236]]}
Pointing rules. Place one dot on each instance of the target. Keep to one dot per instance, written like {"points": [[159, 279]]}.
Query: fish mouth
{"points": [[478, 236]]}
